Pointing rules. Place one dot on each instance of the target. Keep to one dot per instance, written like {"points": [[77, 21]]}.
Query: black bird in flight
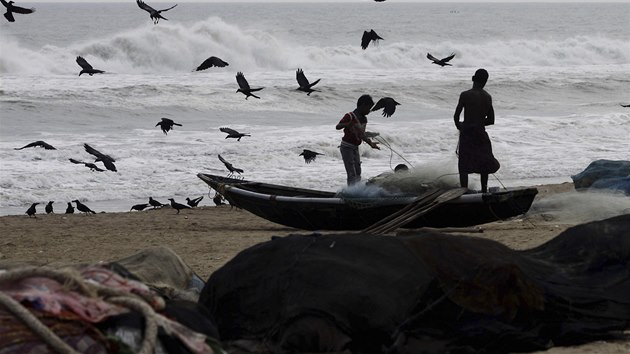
{"points": [[154, 203], [14, 9], [388, 105], [309, 156], [368, 37], [231, 133], [166, 125], [49, 207], [177, 206], [625, 105], [86, 68], [229, 166], [139, 207], [441, 62], [193, 202], [107, 160], [83, 208], [153, 13], [37, 143], [31, 211], [90, 165], [244, 86], [210, 62], [70, 209], [303, 82]]}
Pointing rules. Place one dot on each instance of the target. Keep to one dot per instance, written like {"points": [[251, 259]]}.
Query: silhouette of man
{"points": [[353, 125], [475, 149]]}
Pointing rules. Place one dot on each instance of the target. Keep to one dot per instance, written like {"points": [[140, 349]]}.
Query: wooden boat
{"points": [[320, 210]]}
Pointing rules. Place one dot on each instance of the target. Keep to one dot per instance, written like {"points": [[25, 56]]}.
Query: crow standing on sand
{"points": [[31, 211], [83, 208], [139, 207], [305, 85], [166, 125], [193, 202], [309, 156], [14, 9], [177, 206], [231, 133], [107, 160], [229, 166], [49, 207], [86, 68], [388, 105], [210, 62], [218, 199], [441, 62], [90, 165], [154, 203], [70, 209], [369, 37], [37, 143], [244, 86], [153, 13]]}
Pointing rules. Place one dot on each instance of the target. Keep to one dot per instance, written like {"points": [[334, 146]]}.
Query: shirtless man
{"points": [[475, 149]]}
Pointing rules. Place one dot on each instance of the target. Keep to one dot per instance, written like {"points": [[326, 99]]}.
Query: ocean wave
{"points": [[180, 48]]}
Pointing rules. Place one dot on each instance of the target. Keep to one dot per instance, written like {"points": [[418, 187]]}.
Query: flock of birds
{"points": [[387, 104]]}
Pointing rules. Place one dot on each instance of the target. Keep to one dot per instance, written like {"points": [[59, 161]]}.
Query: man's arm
{"points": [[490, 117], [345, 122], [372, 144], [458, 110]]}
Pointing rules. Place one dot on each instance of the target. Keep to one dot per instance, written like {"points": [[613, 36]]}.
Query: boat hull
{"points": [[318, 210]]}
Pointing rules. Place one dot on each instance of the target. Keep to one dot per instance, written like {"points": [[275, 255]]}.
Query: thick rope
{"points": [[34, 324], [74, 281]]}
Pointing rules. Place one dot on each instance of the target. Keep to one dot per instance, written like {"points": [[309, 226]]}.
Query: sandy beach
{"points": [[208, 237]]}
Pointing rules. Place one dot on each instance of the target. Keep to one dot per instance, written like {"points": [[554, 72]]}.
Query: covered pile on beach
{"points": [[427, 292], [418, 292]]}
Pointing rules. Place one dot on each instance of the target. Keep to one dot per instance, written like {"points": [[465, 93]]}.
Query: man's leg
{"points": [[357, 165], [347, 154], [484, 183], [463, 180]]}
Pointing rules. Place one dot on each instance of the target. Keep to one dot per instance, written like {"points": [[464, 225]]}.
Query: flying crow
{"points": [[166, 125], [49, 207], [175, 205], [303, 82], [31, 211], [107, 160], [231, 133], [210, 62], [368, 37], [83, 208], [86, 68], [625, 105], [154, 14], [38, 143], [12, 8], [193, 202], [70, 209], [139, 207], [441, 62], [309, 156], [229, 166], [154, 203], [90, 165], [388, 105], [244, 86]]}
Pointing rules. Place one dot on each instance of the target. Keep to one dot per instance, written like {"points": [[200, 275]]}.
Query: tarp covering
{"points": [[423, 293], [604, 174]]}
